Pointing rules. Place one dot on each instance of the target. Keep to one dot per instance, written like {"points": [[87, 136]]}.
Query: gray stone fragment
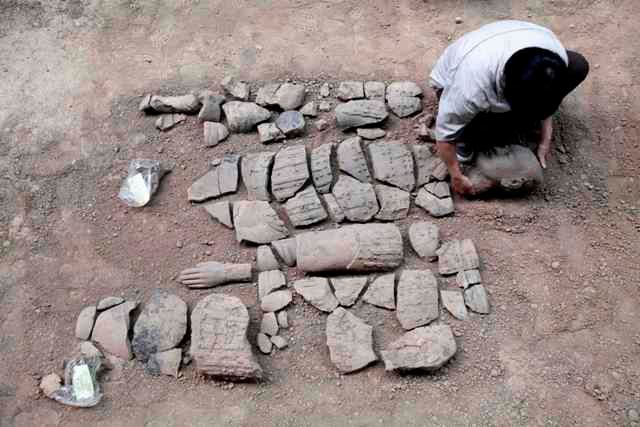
{"points": [[161, 325], [392, 163], [325, 90], [424, 237], [351, 159], [257, 222], [370, 133], [324, 106], [322, 125], [403, 88], [220, 180], [256, 171], [310, 109], [266, 95], [333, 208], [381, 292], [269, 132], [84, 324], [111, 330], [264, 343], [321, 167], [457, 255], [286, 250], [50, 385], [305, 208], [404, 106], [357, 199], [269, 324], [279, 342], [316, 291], [211, 106], [453, 301], [476, 298], [439, 189], [235, 88], [283, 319], [167, 121], [394, 203], [417, 303], [426, 163], [290, 96], [244, 116], [440, 172], [435, 206], [214, 133], [359, 113], [165, 362], [221, 211], [350, 90], [374, 90], [426, 348], [275, 301], [171, 104], [350, 341], [290, 172], [467, 278], [219, 344], [108, 302], [87, 349], [269, 281], [291, 123], [348, 289], [265, 260]]}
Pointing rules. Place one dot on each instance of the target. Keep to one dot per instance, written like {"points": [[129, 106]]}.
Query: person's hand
{"points": [[543, 152], [462, 185]]}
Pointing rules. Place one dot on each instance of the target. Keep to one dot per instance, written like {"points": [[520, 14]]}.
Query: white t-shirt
{"points": [[470, 71]]}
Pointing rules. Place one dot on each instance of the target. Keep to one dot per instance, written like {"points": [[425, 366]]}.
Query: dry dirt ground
{"points": [[561, 347]]}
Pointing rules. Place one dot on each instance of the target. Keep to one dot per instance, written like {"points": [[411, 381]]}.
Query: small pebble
{"points": [[179, 244], [555, 265], [633, 415], [458, 20]]}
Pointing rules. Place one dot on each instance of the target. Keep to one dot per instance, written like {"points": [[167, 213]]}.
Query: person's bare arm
{"points": [[545, 141], [460, 183]]}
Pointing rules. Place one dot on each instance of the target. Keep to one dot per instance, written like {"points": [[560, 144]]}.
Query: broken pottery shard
{"points": [[324, 106], [350, 90], [361, 247], [425, 161], [244, 116], [290, 96], [211, 106], [214, 133], [111, 330], [357, 199], [360, 113], [351, 159], [81, 388], [476, 298], [291, 123], [220, 211], [142, 182], [392, 163], [439, 189], [325, 90], [404, 106], [321, 168], [381, 292], [89, 350], [424, 237], [290, 172], [333, 208], [453, 301], [235, 88], [283, 319], [456, 255], [108, 302], [286, 250], [370, 133], [275, 301], [269, 281], [161, 325], [256, 169], [171, 104], [435, 206], [257, 222], [316, 291], [417, 303], [440, 171], [265, 260], [269, 324], [165, 363], [305, 208], [310, 109], [350, 341], [404, 88], [426, 348], [269, 132], [347, 289], [84, 324], [211, 273], [264, 343], [394, 203], [165, 122], [220, 180], [279, 342], [467, 278], [266, 95], [219, 344], [374, 90]]}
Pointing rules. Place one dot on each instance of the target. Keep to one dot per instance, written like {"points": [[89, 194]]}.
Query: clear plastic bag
{"points": [[81, 388], [141, 182]]}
